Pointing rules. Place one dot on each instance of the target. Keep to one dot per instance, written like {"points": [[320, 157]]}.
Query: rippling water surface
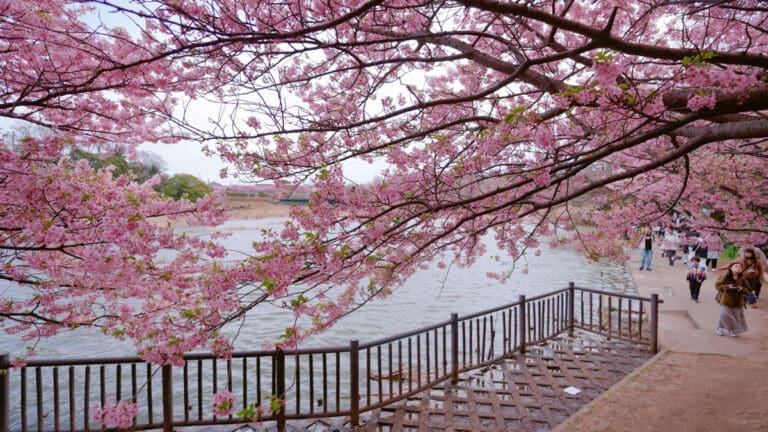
{"points": [[428, 297]]}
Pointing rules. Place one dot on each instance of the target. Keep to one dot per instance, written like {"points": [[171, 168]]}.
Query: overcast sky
{"points": [[188, 158]]}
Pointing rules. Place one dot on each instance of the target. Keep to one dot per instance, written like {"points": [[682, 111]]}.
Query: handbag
{"points": [[750, 298]]}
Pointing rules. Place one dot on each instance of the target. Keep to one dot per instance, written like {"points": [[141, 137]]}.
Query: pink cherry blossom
{"points": [[118, 414], [223, 403], [527, 124]]}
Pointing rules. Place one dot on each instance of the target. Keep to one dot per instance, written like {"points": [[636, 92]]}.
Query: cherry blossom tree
{"points": [[79, 247], [512, 122]]}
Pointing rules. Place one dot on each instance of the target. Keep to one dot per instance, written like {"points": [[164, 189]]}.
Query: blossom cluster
{"points": [[118, 414]]}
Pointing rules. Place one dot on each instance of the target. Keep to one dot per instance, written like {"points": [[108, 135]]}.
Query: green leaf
{"points": [[603, 56], [274, 403], [299, 301], [700, 59], [248, 414], [514, 114], [268, 284], [289, 332]]}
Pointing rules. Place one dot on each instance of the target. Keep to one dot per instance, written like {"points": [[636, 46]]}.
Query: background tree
{"points": [[117, 162], [494, 118], [183, 186], [148, 165]]}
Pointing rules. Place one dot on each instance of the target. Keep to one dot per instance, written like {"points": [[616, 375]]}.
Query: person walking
{"points": [[731, 288], [669, 244], [647, 250], [714, 247], [697, 274], [702, 248], [657, 230], [753, 271], [690, 242]]}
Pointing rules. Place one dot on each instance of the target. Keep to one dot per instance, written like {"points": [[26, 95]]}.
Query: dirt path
{"points": [[682, 392]]}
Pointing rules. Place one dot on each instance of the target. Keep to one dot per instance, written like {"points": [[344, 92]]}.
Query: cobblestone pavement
{"points": [[534, 391]]}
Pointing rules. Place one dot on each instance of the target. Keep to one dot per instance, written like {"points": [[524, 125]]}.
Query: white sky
{"points": [[188, 158]]}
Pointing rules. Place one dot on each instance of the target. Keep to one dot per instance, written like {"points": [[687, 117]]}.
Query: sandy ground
{"points": [[256, 208], [680, 392], [243, 208]]}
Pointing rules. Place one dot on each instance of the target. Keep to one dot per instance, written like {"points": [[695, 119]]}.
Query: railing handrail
{"points": [[388, 339], [622, 295], [523, 330], [326, 349]]}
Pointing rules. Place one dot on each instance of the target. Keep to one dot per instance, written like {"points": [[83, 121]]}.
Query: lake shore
{"points": [[257, 208]]}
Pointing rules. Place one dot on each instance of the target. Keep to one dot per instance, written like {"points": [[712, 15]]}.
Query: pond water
{"points": [[428, 297]]}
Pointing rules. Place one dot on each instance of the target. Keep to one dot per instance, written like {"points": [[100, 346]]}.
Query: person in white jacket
{"points": [[669, 244]]}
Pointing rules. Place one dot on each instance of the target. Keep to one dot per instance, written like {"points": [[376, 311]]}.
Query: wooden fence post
{"points": [[354, 384], [167, 378], [280, 387], [5, 392], [522, 325], [454, 348], [571, 307], [654, 323]]}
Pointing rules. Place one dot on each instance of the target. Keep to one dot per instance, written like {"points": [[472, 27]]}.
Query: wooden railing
{"points": [[55, 395]]}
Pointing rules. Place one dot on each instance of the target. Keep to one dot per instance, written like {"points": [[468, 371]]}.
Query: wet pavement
{"points": [[534, 391]]}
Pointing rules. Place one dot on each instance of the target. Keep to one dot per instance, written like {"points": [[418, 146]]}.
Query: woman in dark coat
{"points": [[753, 270], [731, 288]]}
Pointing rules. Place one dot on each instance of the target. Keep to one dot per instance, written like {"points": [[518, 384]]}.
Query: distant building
{"points": [[300, 196], [252, 190]]}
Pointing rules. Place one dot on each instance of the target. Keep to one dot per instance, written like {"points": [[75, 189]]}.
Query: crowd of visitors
{"points": [[738, 283]]}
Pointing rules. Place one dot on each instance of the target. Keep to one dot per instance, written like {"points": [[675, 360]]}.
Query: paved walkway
{"points": [[524, 392], [521, 393], [700, 381]]}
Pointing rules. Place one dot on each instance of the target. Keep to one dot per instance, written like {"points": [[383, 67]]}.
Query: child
{"points": [[697, 273]]}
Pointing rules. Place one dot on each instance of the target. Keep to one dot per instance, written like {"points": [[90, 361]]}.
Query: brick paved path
{"points": [[525, 392]]}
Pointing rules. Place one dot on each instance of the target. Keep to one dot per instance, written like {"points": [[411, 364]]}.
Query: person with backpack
{"points": [[697, 274]]}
